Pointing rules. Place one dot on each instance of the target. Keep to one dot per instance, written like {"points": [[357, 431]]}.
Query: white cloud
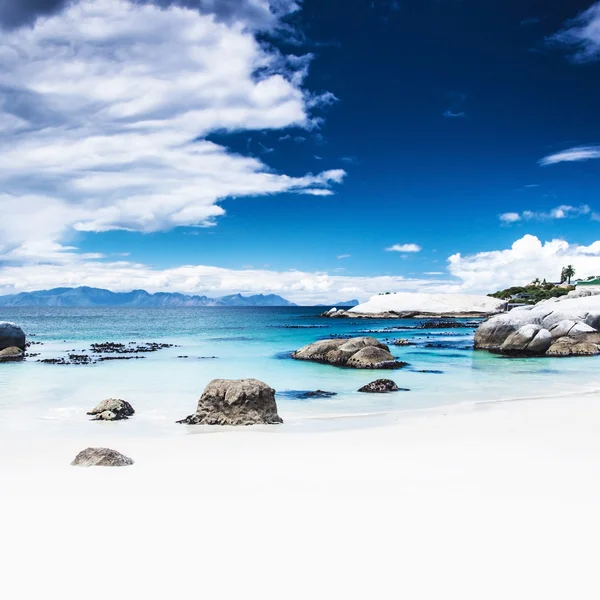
{"points": [[572, 155], [342, 256], [404, 248], [104, 113], [510, 217], [449, 114], [582, 35], [527, 259], [564, 211]]}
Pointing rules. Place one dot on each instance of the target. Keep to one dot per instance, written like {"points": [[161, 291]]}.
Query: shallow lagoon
{"points": [[251, 342]]}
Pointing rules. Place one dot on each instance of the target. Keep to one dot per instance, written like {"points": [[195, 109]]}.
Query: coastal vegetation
{"points": [[534, 292]]}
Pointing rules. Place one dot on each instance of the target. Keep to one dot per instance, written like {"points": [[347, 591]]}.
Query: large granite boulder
{"points": [[11, 354], [11, 335], [112, 409], [101, 457], [235, 402], [557, 327], [357, 353]]}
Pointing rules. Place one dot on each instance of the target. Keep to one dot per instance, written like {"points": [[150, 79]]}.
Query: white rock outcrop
{"points": [[565, 326], [406, 305]]}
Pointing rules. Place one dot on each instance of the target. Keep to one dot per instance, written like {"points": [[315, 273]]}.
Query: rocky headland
{"points": [[405, 305], [566, 326]]}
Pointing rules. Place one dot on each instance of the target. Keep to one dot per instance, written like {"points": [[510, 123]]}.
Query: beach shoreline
{"points": [[490, 495]]}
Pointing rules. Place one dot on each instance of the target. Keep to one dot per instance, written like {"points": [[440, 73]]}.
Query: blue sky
{"points": [[310, 149]]}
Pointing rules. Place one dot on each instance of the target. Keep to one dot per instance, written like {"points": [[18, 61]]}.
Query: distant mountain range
{"points": [[347, 303], [87, 296]]}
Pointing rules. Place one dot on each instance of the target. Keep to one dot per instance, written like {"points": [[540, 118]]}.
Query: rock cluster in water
{"points": [[101, 457], [567, 326], [235, 402], [112, 409], [357, 353], [106, 351]]}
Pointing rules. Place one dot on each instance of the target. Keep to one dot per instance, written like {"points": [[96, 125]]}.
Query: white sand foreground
{"points": [[481, 501]]}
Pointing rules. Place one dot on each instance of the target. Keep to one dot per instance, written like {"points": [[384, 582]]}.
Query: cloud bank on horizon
{"points": [[483, 272]]}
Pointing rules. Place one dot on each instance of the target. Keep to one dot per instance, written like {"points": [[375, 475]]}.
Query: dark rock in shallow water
{"points": [[380, 386], [235, 402], [11, 335], [306, 395], [101, 457], [401, 342], [432, 371], [357, 353], [449, 325], [11, 354], [112, 409]]}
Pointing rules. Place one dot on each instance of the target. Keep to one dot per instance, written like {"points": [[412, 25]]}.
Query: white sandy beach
{"points": [[495, 500]]}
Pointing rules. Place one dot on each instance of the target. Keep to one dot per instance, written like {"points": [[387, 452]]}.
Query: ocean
{"points": [[238, 343]]}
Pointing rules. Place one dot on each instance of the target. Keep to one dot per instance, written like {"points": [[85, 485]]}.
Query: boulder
{"points": [[358, 353], [380, 386], [101, 457], [374, 358], [11, 335], [235, 402], [520, 339], [112, 409], [562, 328], [540, 343], [568, 346], [11, 354], [401, 342]]}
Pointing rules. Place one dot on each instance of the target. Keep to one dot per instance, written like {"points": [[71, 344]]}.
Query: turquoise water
{"points": [[252, 342]]}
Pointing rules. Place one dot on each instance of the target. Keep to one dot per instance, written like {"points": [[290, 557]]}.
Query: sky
{"points": [[314, 149]]}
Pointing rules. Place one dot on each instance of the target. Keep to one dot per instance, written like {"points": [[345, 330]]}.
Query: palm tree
{"points": [[568, 272]]}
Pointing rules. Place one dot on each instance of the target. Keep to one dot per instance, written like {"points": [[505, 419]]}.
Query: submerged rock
{"points": [[112, 409], [235, 402], [380, 386], [101, 457], [401, 342], [357, 353], [315, 394], [11, 354], [11, 335]]}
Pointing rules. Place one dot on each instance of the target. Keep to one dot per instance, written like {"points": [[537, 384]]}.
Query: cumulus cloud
{"points": [[105, 109], [564, 211], [582, 35], [572, 155], [404, 248], [525, 260], [255, 13]]}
